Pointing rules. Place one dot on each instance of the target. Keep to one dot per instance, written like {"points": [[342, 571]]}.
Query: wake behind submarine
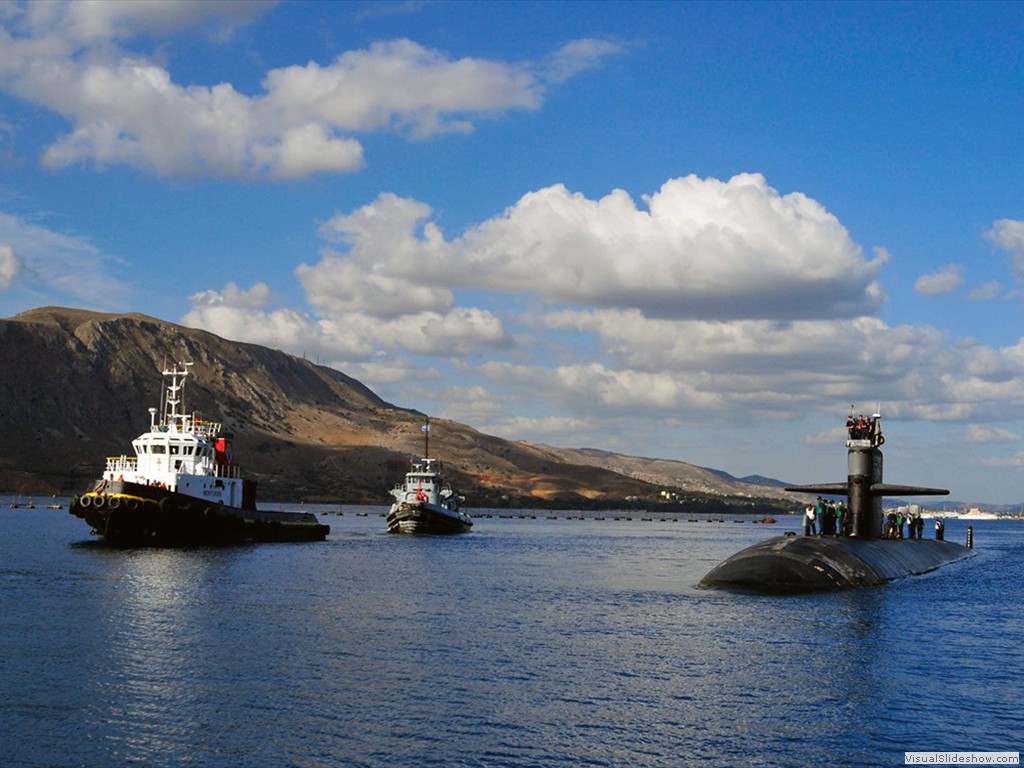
{"points": [[862, 559]]}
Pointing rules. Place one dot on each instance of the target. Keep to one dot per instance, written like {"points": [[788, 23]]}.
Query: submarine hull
{"points": [[811, 563]]}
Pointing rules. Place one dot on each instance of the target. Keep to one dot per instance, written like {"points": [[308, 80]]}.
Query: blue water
{"points": [[529, 642]]}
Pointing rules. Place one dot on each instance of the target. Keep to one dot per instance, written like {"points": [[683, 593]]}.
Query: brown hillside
{"points": [[77, 385]]}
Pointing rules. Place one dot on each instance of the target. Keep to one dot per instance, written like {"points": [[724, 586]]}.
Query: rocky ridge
{"points": [[77, 386]]}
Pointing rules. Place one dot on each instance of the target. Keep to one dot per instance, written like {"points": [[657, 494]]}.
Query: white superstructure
{"points": [[425, 484], [181, 452]]}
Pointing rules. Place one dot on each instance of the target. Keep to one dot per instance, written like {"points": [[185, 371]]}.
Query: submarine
{"points": [[864, 558]]}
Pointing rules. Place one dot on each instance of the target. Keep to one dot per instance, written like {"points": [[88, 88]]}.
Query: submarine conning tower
{"points": [[864, 487]]}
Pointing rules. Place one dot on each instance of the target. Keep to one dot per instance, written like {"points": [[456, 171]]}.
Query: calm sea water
{"points": [[526, 643]]}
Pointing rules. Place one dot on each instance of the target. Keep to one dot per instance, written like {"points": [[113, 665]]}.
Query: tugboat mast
{"points": [[173, 419]]}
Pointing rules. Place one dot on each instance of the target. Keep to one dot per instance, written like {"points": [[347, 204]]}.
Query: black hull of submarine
{"points": [[812, 563]]}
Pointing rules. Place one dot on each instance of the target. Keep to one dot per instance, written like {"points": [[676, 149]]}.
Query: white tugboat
{"points": [[424, 503], [183, 488]]}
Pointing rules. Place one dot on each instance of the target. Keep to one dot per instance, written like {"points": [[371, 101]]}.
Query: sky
{"points": [[692, 231]]}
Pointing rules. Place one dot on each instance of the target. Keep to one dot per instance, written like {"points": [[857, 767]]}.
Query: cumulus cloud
{"points": [[345, 336], [575, 57], [988, 292], [387, 270], [715, 299], [712, 278], [703, 249], [398, 84], [127, 109], [986, 433], [945, 280], [10, 266], [105, 20], [669, 366], [1008, 235], [245, 315], [834, 349], [1014, 460]]}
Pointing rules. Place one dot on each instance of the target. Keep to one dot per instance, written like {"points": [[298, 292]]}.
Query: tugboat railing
{"points": [[123, 464]]}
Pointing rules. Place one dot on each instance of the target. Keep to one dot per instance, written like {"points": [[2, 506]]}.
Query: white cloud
{"points": [[392, 292], [945, 280], [348, 336], [1008, 235], [988, 292], [704, 249], [257, 297], [10, 266], [557, 430], [1011, 460], [127, 109], [387, 369], [305, 150], [473, 404], [575, 57], [386, 270], [833, 348], [105, 20], [132, 113], [986, 433], [398, 84], [594, 388], [243, 315]]}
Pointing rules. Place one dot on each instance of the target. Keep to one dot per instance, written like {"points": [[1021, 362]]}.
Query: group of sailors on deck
{"points": [[827, 518], [894, 523], [832, 518], [865, 428]]}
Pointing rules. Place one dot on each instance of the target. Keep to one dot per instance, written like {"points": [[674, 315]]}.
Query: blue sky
{"points": [[695, 231]]}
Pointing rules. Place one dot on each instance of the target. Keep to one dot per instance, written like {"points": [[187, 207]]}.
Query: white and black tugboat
{"points": [[424, 502], [183, 488]]}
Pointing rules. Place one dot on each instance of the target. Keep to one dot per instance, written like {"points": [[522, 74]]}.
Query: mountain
{"points": [[77, 387]]}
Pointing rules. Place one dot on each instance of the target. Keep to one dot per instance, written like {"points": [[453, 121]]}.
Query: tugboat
{"points": [[424, 503], [183, 488]]}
